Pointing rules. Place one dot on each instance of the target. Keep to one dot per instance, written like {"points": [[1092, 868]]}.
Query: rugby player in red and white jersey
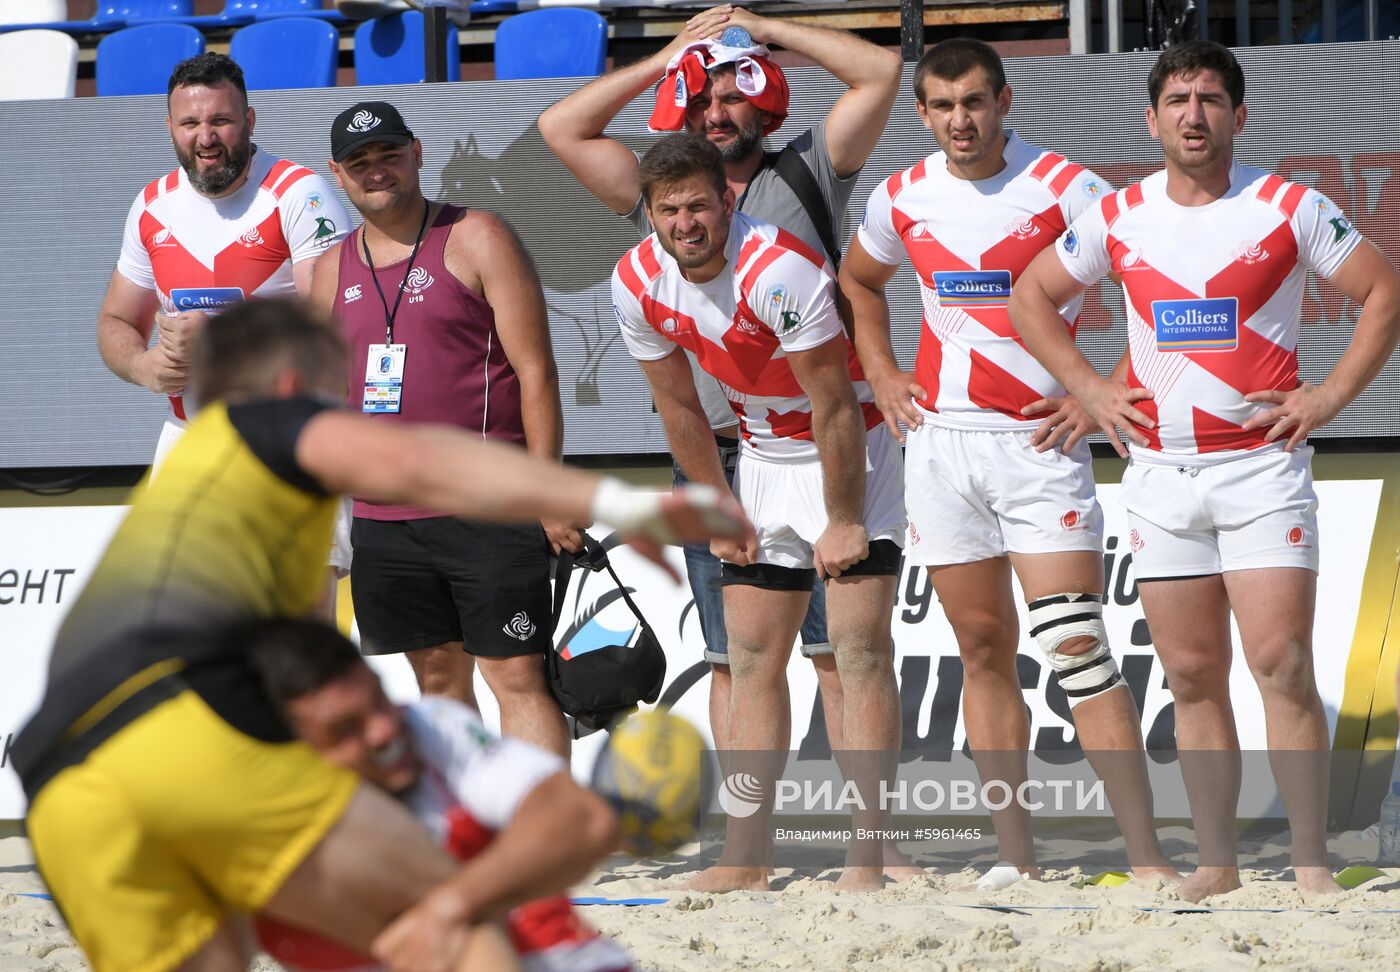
{"points": [[230, 223], [1213, 257], [818, 473], [982, 499], [465, 785]]}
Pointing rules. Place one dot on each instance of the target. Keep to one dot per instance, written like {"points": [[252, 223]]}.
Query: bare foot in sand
{"points": [[717, 879], [1317, 886], [860, 879], [1207, 881], [899, 866], [1157, 876]]}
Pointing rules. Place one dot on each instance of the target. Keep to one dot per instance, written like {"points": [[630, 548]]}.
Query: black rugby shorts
{"points": [[421, 583]]}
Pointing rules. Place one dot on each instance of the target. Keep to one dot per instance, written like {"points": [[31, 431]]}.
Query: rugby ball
{"points": [[656, 773]]}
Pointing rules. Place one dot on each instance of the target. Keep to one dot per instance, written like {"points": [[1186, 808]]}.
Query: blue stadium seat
{"points": [[239, 13], [289, 52], [561, 42], [389, 50], [481, 8], [235, 14], [276, 9], [138, 60], [114, 15]]}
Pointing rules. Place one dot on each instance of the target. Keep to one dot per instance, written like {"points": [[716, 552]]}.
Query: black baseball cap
{"points": [[365, 123]]}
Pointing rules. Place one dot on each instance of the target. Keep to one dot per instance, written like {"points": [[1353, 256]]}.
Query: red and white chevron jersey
{"points": [[1214, 295], [775, 296], [204, 254], [969, 241]]}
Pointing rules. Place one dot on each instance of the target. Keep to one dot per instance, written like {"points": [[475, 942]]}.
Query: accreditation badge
{"points": [[384, 378]]}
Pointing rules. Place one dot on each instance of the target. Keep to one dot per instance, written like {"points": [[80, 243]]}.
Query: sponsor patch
{"points": [[972, 288], [1198, 324], [210, 300]]}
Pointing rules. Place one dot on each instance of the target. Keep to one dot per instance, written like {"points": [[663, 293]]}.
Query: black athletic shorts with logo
{"points": [[421, 583]]}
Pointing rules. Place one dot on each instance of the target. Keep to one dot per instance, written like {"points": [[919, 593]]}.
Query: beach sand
{"points": [[926, 924]]}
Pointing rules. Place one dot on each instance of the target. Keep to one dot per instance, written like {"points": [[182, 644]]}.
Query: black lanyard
{"points": [[389, 315]]}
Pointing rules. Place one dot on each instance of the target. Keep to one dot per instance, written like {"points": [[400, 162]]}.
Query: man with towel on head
{"points": [[735, 94]]}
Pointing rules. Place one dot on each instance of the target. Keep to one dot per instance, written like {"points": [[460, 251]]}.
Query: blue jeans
{"points": [[702, 571]]}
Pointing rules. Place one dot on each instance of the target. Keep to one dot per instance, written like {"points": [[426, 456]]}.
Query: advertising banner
{"points": [[46, 554]]}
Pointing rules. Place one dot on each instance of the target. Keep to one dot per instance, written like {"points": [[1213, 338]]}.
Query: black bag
{"points": [[600, 685]]}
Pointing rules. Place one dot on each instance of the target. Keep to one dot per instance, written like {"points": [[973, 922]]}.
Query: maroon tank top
{"points": [[455, 371]]}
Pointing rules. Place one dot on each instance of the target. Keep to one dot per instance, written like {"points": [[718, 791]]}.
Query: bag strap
{"points": [[792, 170], [595, 557]]}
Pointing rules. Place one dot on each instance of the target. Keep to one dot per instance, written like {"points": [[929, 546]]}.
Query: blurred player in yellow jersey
{"points": [[166, 795]]}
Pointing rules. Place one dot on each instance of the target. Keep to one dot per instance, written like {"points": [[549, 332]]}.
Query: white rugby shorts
{"points": [[975, 495], [787, 506], [1258, 510]]}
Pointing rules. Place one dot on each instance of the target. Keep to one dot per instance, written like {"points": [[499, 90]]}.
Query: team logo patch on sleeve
{"points": [[1198, 324], [1070, 243], [325, 231], [972, 288]]}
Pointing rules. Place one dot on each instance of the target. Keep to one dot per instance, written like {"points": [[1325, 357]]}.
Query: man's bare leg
{"points": [[979, 605], [1274, 610], [528, 710], [762, 625], [445, 669], [833, 698], [1109, 725], [721, 697], [229, 950], [859, 613], [374, 864], [1190, 623]]}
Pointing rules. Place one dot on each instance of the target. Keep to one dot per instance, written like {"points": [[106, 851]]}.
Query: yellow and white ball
{"points": [[655, 771]]}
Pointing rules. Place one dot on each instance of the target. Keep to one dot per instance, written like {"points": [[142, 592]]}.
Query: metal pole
{"points": [[434, 44], [1373, 20], [1080, 17], [1285, 21], [1203, 19], [911, 29], [1113, 22], [1329, 21], [1241, 23]]}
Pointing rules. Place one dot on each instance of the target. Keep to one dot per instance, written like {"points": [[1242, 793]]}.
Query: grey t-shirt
{"points": [[772, 200]]}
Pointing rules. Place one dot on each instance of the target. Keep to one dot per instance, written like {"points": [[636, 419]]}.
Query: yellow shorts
{"points": [[171, 824]]}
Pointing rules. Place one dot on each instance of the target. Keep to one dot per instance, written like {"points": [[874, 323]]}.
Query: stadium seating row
{"points": [[116, 14], [298, 52]]}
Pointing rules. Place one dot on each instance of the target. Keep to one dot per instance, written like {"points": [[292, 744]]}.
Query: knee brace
{"points": [[1062, 617]]}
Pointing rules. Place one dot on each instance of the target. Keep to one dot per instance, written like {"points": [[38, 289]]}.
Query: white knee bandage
{"points": [[1062, 617]]}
